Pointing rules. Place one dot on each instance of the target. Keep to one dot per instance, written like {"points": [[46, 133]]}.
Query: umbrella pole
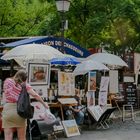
{"points": [[11, 68], [104, 72]]}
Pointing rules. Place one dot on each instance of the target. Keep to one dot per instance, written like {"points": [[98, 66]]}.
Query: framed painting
{"points": [[90, 98], [104, 83], [42, 90], [66, 84], [102, 98], [38, 73], [70, 128], [92, 81]]}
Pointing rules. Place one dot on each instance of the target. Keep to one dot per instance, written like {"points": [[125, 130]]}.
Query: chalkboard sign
{"points": [[131, 94]]}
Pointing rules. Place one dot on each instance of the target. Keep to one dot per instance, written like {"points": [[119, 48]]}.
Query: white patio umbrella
{"points": [[78, 58], [88, 65], [107, 58], [30, 52], [64, 61]]}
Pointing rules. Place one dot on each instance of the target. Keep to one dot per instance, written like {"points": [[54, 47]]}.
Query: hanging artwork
{"points": [[41, 90], [92, 81], [90, 98], [38, 73], [102, 100], [66, 84]]}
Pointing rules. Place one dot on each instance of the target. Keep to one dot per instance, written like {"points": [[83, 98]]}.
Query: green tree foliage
{"points": [[114, 23], [21, 17]]}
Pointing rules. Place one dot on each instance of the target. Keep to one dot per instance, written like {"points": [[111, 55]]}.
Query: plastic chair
{"points": [[128, 112]]}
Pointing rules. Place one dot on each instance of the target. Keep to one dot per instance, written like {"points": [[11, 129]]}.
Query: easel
{"points": [[67, 102]]}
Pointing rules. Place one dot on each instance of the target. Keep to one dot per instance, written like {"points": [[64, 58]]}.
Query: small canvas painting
{"points": [[70, 128]]}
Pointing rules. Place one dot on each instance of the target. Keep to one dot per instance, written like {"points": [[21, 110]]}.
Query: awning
{"points": [[69, 47]]}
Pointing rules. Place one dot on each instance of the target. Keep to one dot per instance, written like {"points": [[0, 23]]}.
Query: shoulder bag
{"points": [[24, 107]]}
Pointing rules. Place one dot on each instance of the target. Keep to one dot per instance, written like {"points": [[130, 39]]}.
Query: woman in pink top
{"points": [[10, 119]]}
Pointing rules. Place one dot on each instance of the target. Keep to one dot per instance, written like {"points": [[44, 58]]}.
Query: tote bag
{"points": [[24, 108]]}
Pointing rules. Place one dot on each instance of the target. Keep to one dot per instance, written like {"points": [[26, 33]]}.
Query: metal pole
{"points": [[62, 32], [62, 7]]}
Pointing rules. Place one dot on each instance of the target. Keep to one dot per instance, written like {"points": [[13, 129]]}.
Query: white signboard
{"points": [[113, 86], [129, 79], [136, 62]]}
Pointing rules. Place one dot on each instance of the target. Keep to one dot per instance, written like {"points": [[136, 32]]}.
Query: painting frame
{"points": [[66, 84], [71, 128], [92, 81], [90, 98], [104, 85], [43, 71], [42, 91]]}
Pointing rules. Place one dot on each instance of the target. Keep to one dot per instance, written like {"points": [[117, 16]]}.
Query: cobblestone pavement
{"points": [[119, 130]]}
